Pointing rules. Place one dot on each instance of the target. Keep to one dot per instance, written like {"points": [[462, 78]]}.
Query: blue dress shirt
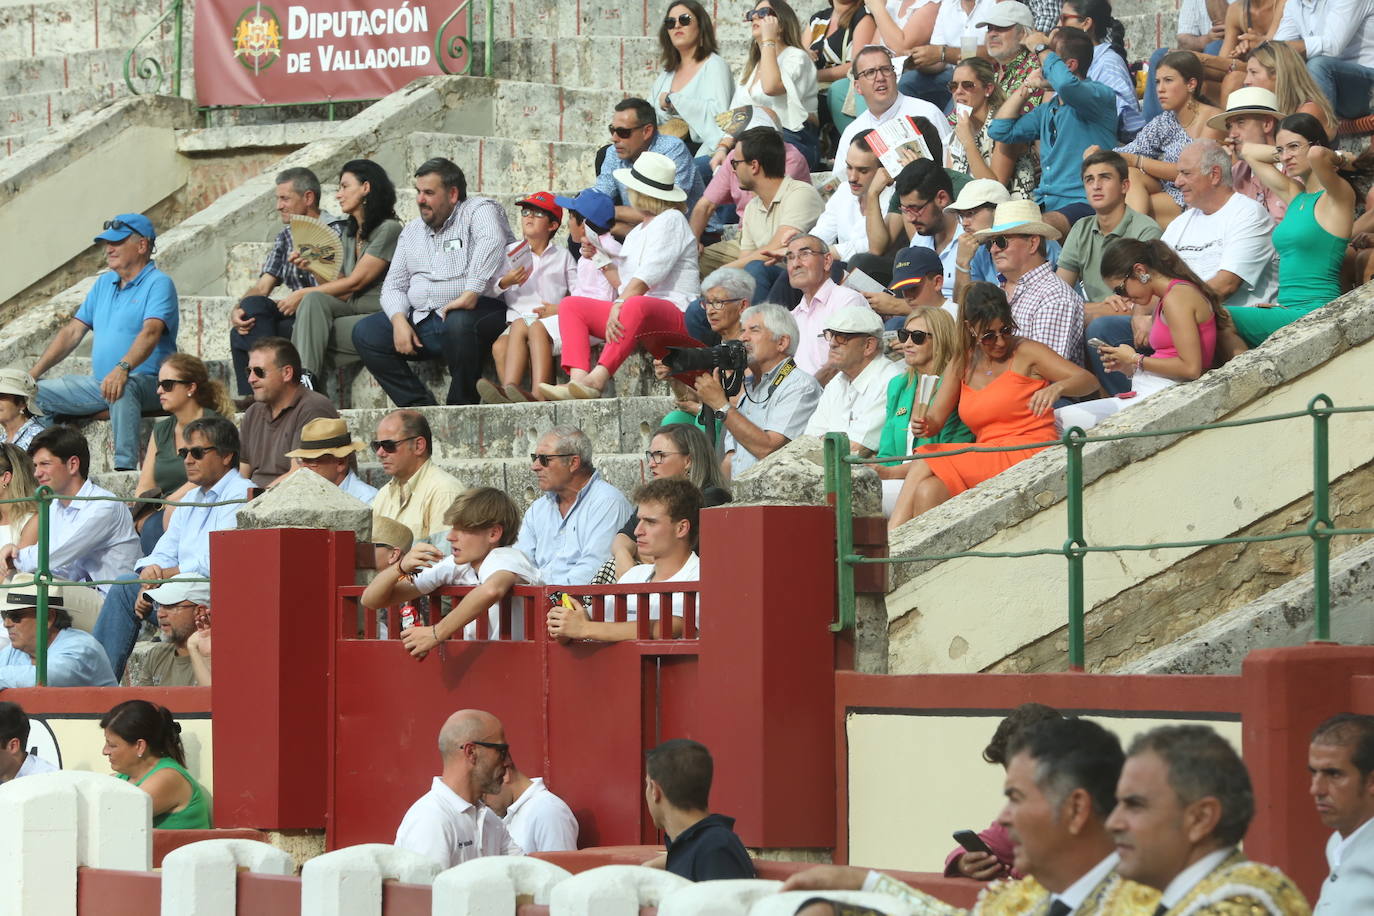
{"points": [[569, 549]]}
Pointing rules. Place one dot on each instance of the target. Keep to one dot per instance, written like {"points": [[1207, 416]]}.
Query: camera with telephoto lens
{"points": [[729, 357]]}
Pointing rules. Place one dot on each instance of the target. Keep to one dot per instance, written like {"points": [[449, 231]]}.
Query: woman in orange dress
{"points": [[1009, 385]]}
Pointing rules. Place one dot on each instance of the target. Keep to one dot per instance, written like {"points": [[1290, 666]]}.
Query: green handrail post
{"points": [[464, 42], [1318, 528], [839, 483], [1073, 552], [179, 6], [41, 579], [491, 39]]}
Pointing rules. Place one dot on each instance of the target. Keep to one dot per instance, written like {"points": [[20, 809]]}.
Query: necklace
{"points": [[1196, 110]]}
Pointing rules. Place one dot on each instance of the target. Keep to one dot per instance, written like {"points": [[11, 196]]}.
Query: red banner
{"points": [[319, 50]]}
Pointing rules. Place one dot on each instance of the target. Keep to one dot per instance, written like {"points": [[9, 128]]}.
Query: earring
{"points": [[1143, 277], [140, 755]]}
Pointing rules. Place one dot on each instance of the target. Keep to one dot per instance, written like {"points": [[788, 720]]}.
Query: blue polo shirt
{"points": [[116, 315], [1081, 114]]}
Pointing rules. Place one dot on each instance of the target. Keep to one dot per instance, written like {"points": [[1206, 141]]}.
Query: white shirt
{"points": [[1238, 238], [354, 486], [1336, 845], [89, 540], [552, 276], [540, 821], [448, 572], [857, 407], [949, 255], [1187, 879], [799, 89], [644, 572], [952, 24], [33, 765], [1076, 893], [1335, 28], [663, 253], [842, 222], [904, 106], [451, 830], [1193, 18]]}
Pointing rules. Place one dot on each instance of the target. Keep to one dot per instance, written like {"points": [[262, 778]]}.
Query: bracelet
{"points": [[439, 643], [768, 44], [1139, 362]]}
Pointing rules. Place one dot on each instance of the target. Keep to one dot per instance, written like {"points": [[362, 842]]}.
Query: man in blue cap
{"points": [[133, 311], [918, 277]]}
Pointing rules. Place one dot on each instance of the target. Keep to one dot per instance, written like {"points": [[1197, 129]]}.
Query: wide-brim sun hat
{"points": [[653, 175], [1018, 217], [1249, 100], [18, 382], [326, 436]]}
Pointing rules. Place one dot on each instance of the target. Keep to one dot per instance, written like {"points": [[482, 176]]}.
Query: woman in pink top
{"points": [[1186, 317]]}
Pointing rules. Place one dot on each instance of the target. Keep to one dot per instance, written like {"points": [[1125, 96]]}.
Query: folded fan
{"points": [[319, 248]]}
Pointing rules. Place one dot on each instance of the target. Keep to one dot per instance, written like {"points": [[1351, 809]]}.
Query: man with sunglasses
{"points": [[855, 399], [133, 312], [875, 80], [449, 823], [282, 406], [419, 491], [75, 659], [634, 130], [169, 662]]}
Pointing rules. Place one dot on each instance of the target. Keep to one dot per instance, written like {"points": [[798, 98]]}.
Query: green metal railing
{"points": [[149, 69], [839, 481], [43, 578]]}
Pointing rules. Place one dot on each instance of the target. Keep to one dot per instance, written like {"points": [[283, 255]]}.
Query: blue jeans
{"points": [[268, 321], [79, 396], [1115, 330], [723, 214], [116, 629], [765, 275], [1346, 84], [462, 338], [933, 87], [807, 141]]}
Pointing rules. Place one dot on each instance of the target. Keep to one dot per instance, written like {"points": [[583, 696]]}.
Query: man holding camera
{"points": [[777, 400]]}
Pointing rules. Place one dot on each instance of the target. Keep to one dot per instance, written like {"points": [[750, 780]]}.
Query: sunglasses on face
{"points": [[16, 616], [839, 337], [914, 209], [623, 133], [758, 13], [167, 384], [259, 371], [683, 20], [196, 451], [1120, 289], [543, 460], [988, 337], [1002, 241], [502, 749], [916, 337], [389, 445], [966, 85], [535, 211]]}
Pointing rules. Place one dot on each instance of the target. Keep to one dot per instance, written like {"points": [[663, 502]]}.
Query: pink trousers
{"points": [[580, 319]]}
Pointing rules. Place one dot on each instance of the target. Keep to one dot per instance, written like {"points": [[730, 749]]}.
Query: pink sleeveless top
{"points": [[1163, 341]]}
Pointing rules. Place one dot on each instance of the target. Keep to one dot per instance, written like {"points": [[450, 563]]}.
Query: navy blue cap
{"points": [[592, 205], [124, 225], [914, 264]]}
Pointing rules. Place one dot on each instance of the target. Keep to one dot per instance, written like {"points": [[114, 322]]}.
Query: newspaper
{"points": [[898, 143]]}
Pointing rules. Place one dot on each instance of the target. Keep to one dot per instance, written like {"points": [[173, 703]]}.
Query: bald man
{"points": [[449, 823]]}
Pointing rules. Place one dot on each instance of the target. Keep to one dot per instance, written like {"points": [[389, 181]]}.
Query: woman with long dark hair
{"points": [[696, 83], [143, 745]]}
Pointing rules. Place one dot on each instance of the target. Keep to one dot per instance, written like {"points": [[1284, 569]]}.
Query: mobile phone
{"points": [[1097, 342], [971, 841]]}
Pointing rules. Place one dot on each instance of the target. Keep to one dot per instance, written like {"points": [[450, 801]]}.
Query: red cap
{"points": [[543, 200]]}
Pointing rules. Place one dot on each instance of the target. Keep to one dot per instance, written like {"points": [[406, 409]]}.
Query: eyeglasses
{"points": [[623, 133], [990, 336], [544, 460], [1295, 147], [535, 211], [966, 85], [916, 337], [502, 749], [799, 254], [683, 20], [260, 372], [659, 457], [1066, 18], [915, 209], [715, 305], [872, 72], [167, 384], [759, 13], [196, 451], [389, 445], [19, 614], [840, 337]]}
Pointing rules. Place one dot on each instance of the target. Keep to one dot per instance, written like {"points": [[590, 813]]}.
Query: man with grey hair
{"points": [[808, 271], [1225, 237], [855, 399], [1007, 24], [257, 315], [776, 401], [1183, 805], [449, 823], [567, 530]]}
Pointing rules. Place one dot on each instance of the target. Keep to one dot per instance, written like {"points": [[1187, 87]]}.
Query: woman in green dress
{"points": [[143, 743]]}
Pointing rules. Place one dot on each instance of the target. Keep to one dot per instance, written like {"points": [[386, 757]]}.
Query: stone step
{"points": [[94, 67], [232, 139], [497, 165], [34, 114], [564, 21], [628, 64], [67, 26]]}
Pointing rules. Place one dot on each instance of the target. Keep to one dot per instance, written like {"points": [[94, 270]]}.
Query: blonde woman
{"points": [[1275, 66], [976, 95], [16, 482]]}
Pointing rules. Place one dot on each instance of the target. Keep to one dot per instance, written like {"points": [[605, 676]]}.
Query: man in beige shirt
{"points": [[418, 493]]}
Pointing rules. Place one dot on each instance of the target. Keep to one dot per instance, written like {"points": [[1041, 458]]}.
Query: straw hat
{"points": [[1251, 100], [18, 598], [1018, 217], [17, 381], [391, 533], [652, 174], [326, 436]]}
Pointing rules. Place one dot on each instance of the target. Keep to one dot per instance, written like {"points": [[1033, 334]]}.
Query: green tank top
{"points": [[1309, 257], [196, 814]]}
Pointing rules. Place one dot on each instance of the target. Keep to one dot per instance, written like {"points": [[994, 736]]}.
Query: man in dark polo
{"points": [[677, 787], [282, 406]]}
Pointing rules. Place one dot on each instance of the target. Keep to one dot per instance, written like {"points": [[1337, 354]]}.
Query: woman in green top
{"points": [[325, 314], [143, 743], [928, 339]]}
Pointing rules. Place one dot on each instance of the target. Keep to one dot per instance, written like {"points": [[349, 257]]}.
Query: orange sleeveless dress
{"points": [[998, 416]]}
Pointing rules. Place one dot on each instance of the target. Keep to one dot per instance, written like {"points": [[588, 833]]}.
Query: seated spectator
{"points": [[808, 271], [853, 399], [928, 340], [1109, 58], [143, 745], [134, 313], [590, 215], [1340, 760], [1184, 318], [1044, 308], [16, 482], [1188, 774], [185, 391], [1337, 39], [437, 297], [180, 607], [87, 539], [211, 456], [903, 25], [257, 315], [723, 190], [972, 149], [282, 406], [917, 279], [19, 410], [419, 492], [1008, 385], [976, 207], [1313, 236], [875, 81], [725, 293], [634, 131], [674, 451], [537, 820], [1197, 32], [75, 659], [532, 293], [322, 315], [328, 449], [390, 542], [842, 224], [567, 531], [1276, 66], [837, 31], [669, 510], [695, 83], [1153, 155], [958, 33], [1081, 114], [1251, 116], [15, 760], [449, 823], [483, 524], [658, 279], [677, 786], [1007, 26], [779, 79], [924, 190], [776, 401]]}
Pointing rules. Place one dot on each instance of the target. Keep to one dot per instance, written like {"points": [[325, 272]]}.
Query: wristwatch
{"points": [[720, 414], [1040, 49], [124, 364]]}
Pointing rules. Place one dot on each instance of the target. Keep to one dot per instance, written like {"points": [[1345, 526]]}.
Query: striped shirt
{"points": [[278, 263], [433, 267]]}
